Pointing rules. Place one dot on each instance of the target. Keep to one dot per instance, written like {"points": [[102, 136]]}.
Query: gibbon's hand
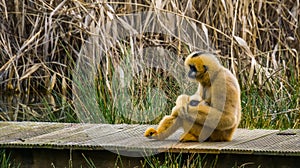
{"points": [[184, 111], [150, 133]]}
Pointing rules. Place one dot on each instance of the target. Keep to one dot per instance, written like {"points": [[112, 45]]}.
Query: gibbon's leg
{"points": [[191, 131], [169, 124], [188, 137], [225, 135], [212, 117]]}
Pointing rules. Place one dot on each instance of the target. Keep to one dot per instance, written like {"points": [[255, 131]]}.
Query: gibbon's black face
{"points": [[197, 71], [193, 71]]}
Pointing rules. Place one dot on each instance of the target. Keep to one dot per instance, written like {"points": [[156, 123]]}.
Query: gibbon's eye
{"points": [[193, 68], [192, 72]]}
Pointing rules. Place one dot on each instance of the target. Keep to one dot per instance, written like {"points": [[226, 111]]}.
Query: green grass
{"points": [[274, 108], [261, 111], [179, 161], [6, 161]]}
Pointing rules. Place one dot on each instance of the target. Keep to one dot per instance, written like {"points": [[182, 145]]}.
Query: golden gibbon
{"points": [[213, 113]]}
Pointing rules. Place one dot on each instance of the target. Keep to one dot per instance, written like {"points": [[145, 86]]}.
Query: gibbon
{"points": [[213, 113]]}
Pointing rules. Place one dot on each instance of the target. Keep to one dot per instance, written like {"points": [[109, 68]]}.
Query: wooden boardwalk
{"points": [[128, 140]]}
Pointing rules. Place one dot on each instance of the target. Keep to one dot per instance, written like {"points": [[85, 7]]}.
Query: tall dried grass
{"points": [[41, 40]]}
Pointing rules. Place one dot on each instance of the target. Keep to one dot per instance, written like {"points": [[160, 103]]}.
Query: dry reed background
{"points": [[258, 40]]}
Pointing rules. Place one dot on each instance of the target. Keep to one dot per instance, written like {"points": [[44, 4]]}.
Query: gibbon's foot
{"points": [[187, 137], [196, 103], [150, 133]]}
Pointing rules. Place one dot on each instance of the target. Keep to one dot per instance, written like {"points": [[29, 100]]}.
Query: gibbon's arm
{"points": [[218, 114], [167, 126], [170, 123]]}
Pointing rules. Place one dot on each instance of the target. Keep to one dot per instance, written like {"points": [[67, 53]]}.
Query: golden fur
{"points": [[213, 113]]}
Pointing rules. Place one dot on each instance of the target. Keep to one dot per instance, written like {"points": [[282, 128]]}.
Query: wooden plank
{"points": [[274, 144], [240, 136], [17, 130], [129, 138]]}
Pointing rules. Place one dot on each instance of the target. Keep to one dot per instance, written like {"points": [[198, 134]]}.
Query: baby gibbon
{"points": [[213, 113]]}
